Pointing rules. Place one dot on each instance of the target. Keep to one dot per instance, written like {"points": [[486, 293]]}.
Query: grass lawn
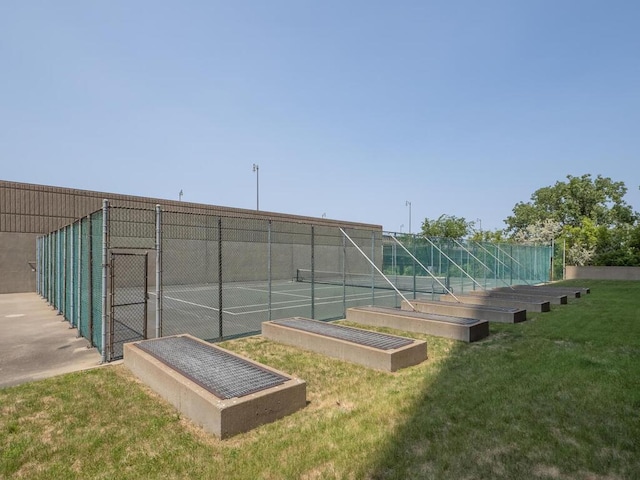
{"points": [[557, 396]]}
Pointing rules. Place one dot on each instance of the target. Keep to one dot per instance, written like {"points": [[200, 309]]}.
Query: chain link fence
{"points": [[433, 265], [69, 274], [122, 274]]}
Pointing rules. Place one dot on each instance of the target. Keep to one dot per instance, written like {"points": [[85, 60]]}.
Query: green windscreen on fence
{"points": [[96, 279], [85, 279]]}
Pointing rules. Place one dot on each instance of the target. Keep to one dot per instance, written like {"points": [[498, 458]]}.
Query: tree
{"points": [[489, 236], [543, 231], [448, 226], [590, 215], [599, 199]]}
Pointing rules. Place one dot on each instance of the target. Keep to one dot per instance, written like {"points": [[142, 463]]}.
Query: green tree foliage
{"points": [[599, 199], [589, 215], [490, 236], [448, 226]]}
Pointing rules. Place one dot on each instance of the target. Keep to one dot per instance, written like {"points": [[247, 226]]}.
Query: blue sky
{"points": [[350, 108]]}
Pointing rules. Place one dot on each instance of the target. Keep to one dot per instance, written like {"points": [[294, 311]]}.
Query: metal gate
{"points": [[128, 301]]}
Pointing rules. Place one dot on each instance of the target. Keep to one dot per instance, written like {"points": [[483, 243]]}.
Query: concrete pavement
{"points": [[36, 342]]}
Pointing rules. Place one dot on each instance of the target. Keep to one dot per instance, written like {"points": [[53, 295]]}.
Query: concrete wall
{"points": [[27, 211], [16, 251], [602, 273]]}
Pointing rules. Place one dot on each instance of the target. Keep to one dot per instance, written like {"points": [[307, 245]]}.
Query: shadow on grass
{"points": [[548, 398]]}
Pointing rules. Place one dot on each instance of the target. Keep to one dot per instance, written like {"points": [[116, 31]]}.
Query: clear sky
{"points": [[350, 108]]}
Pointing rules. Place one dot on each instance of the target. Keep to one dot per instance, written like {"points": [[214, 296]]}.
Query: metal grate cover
{"points": [[223, 374], [424, 316], [377, 340]]}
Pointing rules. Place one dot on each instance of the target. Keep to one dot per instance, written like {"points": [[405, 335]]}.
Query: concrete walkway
{"points": [[36, 343]]}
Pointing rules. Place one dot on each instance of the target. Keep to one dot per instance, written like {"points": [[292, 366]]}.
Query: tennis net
{"points": [[405, 283]]}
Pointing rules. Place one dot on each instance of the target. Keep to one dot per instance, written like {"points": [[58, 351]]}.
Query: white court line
{"points": [[351, 297], [301, 306], [288, 292], [267, 291], [197, 305], [358, 296]]}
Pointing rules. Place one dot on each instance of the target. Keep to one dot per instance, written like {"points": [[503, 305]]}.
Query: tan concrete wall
{"points": [[28, 210], [602, 273], [16, 251]]}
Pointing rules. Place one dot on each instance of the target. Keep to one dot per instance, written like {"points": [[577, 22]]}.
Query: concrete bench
{"points": [[501, 314], [371, 349], [221, 391], [457, 328], [525, 303], [548, 290], [510, 294]]}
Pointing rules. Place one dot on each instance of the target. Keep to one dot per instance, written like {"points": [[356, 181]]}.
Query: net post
{"points": [[158, 271]]}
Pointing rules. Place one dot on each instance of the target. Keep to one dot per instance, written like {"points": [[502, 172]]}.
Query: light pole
{"points": [[408, 204], [256, 168]]}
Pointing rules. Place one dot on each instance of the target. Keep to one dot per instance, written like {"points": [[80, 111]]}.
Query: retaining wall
{"points": [[602, 273]]}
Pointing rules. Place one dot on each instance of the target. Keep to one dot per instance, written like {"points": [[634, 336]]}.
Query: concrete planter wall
{"points": [[602, 273]]}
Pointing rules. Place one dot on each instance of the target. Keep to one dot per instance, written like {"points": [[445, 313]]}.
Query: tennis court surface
{"points": [[195, 309]]}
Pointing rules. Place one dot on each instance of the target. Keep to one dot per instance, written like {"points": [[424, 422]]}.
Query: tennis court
{"points": [[195, 309], [113, 273]]}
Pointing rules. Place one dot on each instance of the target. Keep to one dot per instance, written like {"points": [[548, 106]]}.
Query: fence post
{"points": [[49, 269], [72, 273], [373, 270], [269, 266], [58, 272], [38, 265], [313, 275], [220, 277], [90, 278], [344, 276], [158, 271], [105, 238], [79, 280]]}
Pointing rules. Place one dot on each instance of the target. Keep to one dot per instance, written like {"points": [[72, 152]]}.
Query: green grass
{"points": [[557, 396]]}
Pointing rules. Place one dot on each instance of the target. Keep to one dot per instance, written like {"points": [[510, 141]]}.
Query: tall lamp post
{"points": [[408, 204], [256, 168]]}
